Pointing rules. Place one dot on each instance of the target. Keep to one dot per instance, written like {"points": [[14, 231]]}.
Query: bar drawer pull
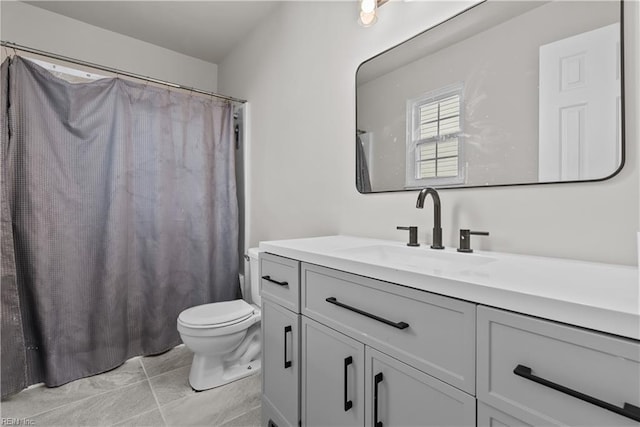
{"points": [[628, 410], [348, 404], [269, 279], [287, 363], [398, 325], [376, 381]]}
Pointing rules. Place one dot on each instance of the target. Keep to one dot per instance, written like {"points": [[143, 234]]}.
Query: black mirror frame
{"points": [[622, 115]]}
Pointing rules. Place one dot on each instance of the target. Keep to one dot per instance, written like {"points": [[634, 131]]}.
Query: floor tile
{"points": [[124, 397], [215, 406], [102, 410], [253, 418], [40, 399], [148, 419], [172, 386], [175, 358]]}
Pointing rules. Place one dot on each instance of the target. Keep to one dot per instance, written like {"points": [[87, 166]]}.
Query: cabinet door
{"points": [[281, 362], [399, 395], [332, 377]]}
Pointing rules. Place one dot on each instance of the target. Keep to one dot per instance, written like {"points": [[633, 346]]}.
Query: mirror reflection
{"points": [[504, 93]]}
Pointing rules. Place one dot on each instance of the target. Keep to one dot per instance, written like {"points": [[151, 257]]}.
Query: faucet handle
{"points": [[465, 239], [413, 235]]}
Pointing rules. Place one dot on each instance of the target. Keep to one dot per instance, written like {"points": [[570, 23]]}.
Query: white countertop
{"points": [[603, 297]]}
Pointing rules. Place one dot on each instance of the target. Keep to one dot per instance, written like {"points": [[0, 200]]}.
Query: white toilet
{"points": [[224, 337]]}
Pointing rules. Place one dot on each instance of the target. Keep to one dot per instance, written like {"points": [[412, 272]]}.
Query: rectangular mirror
{"points": [[503, 93]]}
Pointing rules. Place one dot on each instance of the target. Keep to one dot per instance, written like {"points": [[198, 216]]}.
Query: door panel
{"points": [[281, 361], [332, 378], [407, 397]]}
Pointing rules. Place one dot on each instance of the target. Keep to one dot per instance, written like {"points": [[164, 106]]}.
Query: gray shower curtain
{"points": [[12, 347], [363, 181], [123, 203]]}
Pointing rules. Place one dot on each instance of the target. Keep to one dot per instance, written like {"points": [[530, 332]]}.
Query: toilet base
{"points": [[218, 359], [201, 378]]}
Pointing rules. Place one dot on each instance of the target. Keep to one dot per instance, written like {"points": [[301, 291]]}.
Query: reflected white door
{"points": [[579, 112]]}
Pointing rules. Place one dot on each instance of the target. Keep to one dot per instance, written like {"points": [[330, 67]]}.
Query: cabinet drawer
{"points": [[280, 280], [596, 365], [433, 333]]}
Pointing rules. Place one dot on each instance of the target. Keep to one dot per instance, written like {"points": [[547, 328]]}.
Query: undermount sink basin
{"points": [[415, 257]]}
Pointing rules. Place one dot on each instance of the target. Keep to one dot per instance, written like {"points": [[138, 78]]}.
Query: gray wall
{"points": [[499, 68], [37, 28], [298, 71]]}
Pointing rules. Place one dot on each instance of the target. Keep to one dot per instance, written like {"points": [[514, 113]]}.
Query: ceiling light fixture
{"points": [[368, 11]]}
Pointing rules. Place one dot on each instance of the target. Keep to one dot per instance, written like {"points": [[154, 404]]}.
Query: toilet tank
{"points": [[254, 276]]}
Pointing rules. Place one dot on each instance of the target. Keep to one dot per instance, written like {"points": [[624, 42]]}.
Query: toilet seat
{"points": [[216, 315]]}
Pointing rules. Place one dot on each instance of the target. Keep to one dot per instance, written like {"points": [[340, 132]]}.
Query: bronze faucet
{"points": [[437, 227]]}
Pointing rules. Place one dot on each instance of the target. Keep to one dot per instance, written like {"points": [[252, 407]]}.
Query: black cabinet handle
{"points": [[628, 410], [287, 363], [269, 279], [376, 380], [399, 325], [348, 404]]}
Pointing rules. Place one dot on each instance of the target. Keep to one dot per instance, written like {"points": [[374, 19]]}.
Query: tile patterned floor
{"points": [[145, 391]]}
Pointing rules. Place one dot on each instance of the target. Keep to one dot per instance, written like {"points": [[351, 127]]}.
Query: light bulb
{"points": [[367, 19], [368, 6]]}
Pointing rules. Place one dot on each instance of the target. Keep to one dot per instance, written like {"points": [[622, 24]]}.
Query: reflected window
{"points": [[434, 138]]}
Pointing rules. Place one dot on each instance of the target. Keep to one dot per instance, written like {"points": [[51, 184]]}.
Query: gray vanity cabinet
{"points": [[333, 377], [380, 354]]}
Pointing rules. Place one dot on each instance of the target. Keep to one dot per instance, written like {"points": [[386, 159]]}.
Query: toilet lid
{"points": [[216, 313]]}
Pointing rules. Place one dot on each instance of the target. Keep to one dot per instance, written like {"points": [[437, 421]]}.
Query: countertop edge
{"points": [[620, 323]]}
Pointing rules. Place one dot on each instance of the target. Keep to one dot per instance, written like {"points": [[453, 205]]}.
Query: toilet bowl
{"points": [[224, 337]]}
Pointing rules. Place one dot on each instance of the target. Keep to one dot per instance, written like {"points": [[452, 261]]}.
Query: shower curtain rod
{"points": [[16, 46]]}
